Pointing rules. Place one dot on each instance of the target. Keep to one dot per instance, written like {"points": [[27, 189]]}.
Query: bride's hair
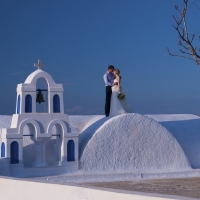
{"points": [[117, 71]]}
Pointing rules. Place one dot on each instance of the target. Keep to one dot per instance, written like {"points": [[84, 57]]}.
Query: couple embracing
{"points": [[114, 104]]}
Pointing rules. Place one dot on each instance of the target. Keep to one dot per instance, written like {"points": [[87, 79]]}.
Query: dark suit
{"points": [[109, 81]]}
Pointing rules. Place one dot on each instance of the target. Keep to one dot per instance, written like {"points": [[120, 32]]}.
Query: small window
{"points": [[18, 104], [28, 104], [14, 153], [56, 104], [70, 151], [3, 150]]}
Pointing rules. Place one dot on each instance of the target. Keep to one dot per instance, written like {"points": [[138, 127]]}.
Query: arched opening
{"points": [[3, 153], [14, 153], [28, 145], [53, 148], [56, 104], [70, 151], [42, 85], [28, 104], [18, 104]]}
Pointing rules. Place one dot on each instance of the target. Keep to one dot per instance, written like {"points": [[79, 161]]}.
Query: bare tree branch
{"points": [[193, 36], [178, 55], [184, 52], [185, 41], [182, 45]]}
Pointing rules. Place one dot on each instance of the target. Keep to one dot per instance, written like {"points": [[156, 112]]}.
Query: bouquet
{"points": [[121, 96]]}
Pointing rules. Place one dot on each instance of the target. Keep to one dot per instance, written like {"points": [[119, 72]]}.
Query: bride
{"points": [[118, 106]]}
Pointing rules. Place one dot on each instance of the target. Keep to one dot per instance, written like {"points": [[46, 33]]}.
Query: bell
{"points": [[40, 97]]}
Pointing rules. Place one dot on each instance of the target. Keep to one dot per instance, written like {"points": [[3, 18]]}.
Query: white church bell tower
{"points": [[40, 107]]}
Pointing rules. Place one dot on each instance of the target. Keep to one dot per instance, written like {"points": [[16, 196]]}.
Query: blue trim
{"points": [[70, 151], [18, 104], [3, 153], [56, 104], [14, 153], [28, 104]]}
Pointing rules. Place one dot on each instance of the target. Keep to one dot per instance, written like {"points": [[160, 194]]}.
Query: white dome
{"points": [[132, 142]]}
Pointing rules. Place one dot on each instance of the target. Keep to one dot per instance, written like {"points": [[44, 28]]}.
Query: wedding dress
{"points": [[118, 106]]}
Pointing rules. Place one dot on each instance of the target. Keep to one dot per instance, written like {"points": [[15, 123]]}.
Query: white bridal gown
{"points": [[117, 106]]}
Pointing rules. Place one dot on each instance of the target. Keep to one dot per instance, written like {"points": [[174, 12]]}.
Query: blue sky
{"points": [[78, 39]]}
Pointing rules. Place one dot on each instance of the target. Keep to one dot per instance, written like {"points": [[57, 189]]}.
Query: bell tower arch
{"points": [[40, 85]]}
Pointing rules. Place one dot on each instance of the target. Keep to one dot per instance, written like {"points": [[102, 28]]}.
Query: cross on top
{"points": [[39, 64]]}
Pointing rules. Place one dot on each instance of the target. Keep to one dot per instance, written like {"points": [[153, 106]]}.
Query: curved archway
{"points": [[55, 147], [3, 153], [18, 104], [37, 156], [70, 150], [35, 126], [59, 122], [29, 130], [32, 78], [28, 103], [56, 104], [14, 152]]}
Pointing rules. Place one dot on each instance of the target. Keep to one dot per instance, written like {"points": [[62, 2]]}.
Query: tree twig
{"points": [[182, 30]]}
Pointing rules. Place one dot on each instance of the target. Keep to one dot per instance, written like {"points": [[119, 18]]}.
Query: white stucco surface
{"points": [[132, 142], [5, 121], [173, 117], [4, 166], [186, 130]]}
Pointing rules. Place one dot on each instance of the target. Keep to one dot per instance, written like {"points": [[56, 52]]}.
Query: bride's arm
{"points": [[119, 80]]}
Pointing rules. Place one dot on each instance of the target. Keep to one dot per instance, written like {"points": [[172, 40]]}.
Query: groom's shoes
{"points": [[107, 115]]}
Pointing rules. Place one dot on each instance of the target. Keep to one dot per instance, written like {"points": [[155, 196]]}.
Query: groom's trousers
{"points": [[108, 99]]}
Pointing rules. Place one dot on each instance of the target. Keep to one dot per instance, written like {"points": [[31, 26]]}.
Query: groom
{"points": [[109, 82]]}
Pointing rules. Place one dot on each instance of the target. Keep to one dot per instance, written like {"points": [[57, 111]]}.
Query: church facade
{"points": [[40, 108]]}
